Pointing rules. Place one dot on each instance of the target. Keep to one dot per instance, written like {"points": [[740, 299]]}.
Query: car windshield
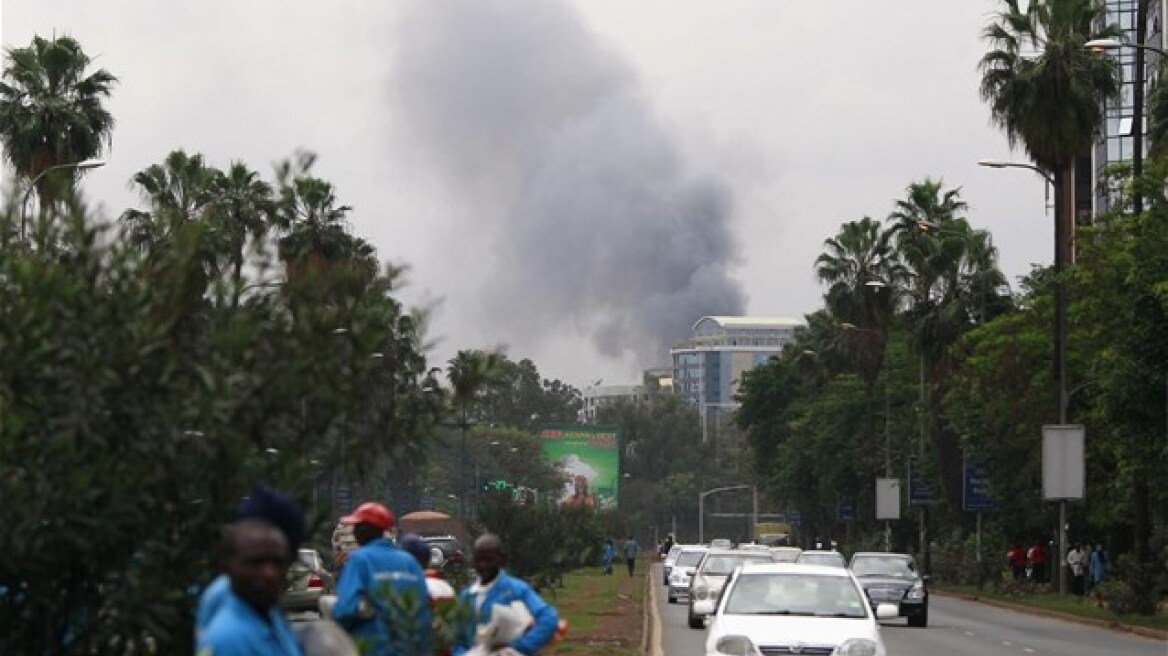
{"points": [[795, 594], [689, 558], [903, 568], [833, 560], [672, 555], [308, 558], [724, 564]]}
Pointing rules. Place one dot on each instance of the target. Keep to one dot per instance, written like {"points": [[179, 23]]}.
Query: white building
{"points": [[598, 396]]}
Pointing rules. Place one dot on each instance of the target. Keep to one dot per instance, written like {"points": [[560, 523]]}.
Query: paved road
{"points": [[956, 628]]}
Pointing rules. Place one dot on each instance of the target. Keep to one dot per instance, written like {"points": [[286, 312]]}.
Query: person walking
{"points": [[608, 556], [631, 550], [1036, 560], [508, 613], [249, 621], [376, 568], [1097, 566], [667, 546], [1075, 562], [1016, 560]]}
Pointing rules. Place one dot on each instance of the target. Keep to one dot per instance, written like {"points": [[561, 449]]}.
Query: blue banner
{"points": [[846, 511], [794, 517], [920, 493], [976, 494]]}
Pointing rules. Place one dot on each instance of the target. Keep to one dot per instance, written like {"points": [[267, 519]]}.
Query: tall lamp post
{"points": [[728, 488], [83, 165], [1060, 335]]}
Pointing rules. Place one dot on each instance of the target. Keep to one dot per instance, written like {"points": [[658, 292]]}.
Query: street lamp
{"points": [[1103, 45], [702, 508], [83, 165]]}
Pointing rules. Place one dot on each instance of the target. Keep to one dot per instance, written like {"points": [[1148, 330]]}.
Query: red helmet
{"points": [[374, 514]]}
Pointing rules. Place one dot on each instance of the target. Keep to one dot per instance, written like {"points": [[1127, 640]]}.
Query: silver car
{"points": [[670, 559], [682, 572], [711, 575], [825, 558], [307, 581]]}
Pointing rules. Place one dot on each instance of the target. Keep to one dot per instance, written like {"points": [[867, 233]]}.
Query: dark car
{"points": [[889, 578], [451, 549]]}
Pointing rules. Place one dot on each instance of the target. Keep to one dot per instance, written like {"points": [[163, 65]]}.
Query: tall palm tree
{"points": [[861, 267], [179, 190], [469, 372], [1046, 91], [926, 203], [245, 210], [52, 111]]}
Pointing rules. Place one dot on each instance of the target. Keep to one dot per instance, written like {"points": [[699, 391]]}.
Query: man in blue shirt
{"points": [[273, 506], [248, 621], [631, 550], [495, 589], [373, 573]]}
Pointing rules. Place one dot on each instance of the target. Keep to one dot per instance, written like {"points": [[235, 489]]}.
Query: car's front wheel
{"points": [[921, 619], [696, 622]]}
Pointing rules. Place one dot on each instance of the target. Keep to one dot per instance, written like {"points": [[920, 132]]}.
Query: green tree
{"points": [[52, 111], [517, 396]]}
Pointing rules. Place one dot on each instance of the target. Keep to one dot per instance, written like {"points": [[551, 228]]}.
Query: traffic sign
{"points": [[976, 494], [920, 492]]}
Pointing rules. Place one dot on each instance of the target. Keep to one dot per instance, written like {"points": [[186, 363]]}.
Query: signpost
{"points": [[975, 493], [1064, 477], [887, 505]]}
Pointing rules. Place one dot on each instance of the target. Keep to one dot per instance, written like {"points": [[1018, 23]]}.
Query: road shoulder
{"points": [[1113, 625]]}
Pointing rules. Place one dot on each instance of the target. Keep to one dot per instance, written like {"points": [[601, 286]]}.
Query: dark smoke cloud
{"points": [[589, 219]]}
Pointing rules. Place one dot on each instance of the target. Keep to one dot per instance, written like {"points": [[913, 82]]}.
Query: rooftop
{"points": [[751, 322]]}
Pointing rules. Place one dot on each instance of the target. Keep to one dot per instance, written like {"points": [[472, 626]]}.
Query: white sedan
{"points": [[788, 608]]}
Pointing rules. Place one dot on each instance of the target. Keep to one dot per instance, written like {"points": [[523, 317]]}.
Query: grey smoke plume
{"points": [[589, 219]]}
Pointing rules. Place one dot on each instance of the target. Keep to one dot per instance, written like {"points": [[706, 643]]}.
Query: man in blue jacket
{"points": [[374, 572], [495, 588], [248, 621]]}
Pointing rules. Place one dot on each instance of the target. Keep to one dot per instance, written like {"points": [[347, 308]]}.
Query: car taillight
{"points": [[315, 582]]}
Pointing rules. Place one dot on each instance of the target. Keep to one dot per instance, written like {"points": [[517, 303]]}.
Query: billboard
{"points": [[589, 457]]}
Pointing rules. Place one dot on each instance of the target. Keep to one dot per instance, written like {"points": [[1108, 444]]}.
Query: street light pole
{"points": [[702, 506], [80, 166]]}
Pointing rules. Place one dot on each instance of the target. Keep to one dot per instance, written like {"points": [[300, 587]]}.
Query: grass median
{"points": [[1065, 604], [604, 613]]}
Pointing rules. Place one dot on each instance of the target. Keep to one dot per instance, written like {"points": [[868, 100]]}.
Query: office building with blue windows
{"points": [[708, 365]]}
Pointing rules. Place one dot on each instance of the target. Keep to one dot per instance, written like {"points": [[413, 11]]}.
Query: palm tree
{"points": [[180, 190], [861, 268], [52, 112], [926, 204], [1047, 91], [469, 373], [245, 209]]}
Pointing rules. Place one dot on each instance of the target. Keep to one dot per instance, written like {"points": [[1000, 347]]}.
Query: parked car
{"points": [[670, 558], [450, 546], [308, 579], [893, 578], [721, 543], [825, 558], [682, 572], [715, 567], [785, 554], [788, 608]]}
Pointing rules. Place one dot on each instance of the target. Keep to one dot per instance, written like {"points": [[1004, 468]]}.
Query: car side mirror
{"points": [[887, 611]]}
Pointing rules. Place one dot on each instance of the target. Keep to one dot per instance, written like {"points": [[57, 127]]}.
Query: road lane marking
{"points": [[969, 633], [1028, 650], [1006, 643]]}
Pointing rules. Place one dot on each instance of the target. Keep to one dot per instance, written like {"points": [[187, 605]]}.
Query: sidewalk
{"points": [[1112, 624]]}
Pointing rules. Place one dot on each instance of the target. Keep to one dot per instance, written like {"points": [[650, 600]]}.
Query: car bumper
{"points": [[702, 607], [301, 600]]}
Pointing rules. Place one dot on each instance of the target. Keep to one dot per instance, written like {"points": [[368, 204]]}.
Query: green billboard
{"points": [[589, 459]]}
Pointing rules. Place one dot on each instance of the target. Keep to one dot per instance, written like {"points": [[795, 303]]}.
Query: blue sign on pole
{"points": [[795, 517], [846, 511], [976, 494], [920, 493]]}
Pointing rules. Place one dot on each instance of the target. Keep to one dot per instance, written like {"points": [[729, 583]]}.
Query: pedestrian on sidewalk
{"points": [[1036, 560], [1078, 568], [608, 556], [631, 551], [1016, 559]]}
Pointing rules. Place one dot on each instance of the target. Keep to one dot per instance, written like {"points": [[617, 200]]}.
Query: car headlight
{"points": [[735, 645], [857, 647], [917, 592]]}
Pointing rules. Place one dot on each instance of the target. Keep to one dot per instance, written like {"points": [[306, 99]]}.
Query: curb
{"points": [[1112, 625], [652, 640], [646, 625]]}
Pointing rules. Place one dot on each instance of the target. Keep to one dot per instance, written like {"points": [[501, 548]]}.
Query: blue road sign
{"points": [[795, 517], [920, 493], [976, 494]]}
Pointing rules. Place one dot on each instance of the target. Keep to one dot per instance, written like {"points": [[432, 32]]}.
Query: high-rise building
{"points": [[708, 365], [1115, 136], [597, 396]]}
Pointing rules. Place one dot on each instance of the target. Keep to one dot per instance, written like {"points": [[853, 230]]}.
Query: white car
{"points": [[786, 554], [670, 559], [788, 608], [710, 577], [822, 557], [682, 572]]}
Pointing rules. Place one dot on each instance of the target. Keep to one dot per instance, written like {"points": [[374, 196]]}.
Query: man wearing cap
{"points": [[372, 571]]}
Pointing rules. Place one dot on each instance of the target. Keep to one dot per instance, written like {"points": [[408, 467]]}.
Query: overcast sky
{"points": [[572, 180]]}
